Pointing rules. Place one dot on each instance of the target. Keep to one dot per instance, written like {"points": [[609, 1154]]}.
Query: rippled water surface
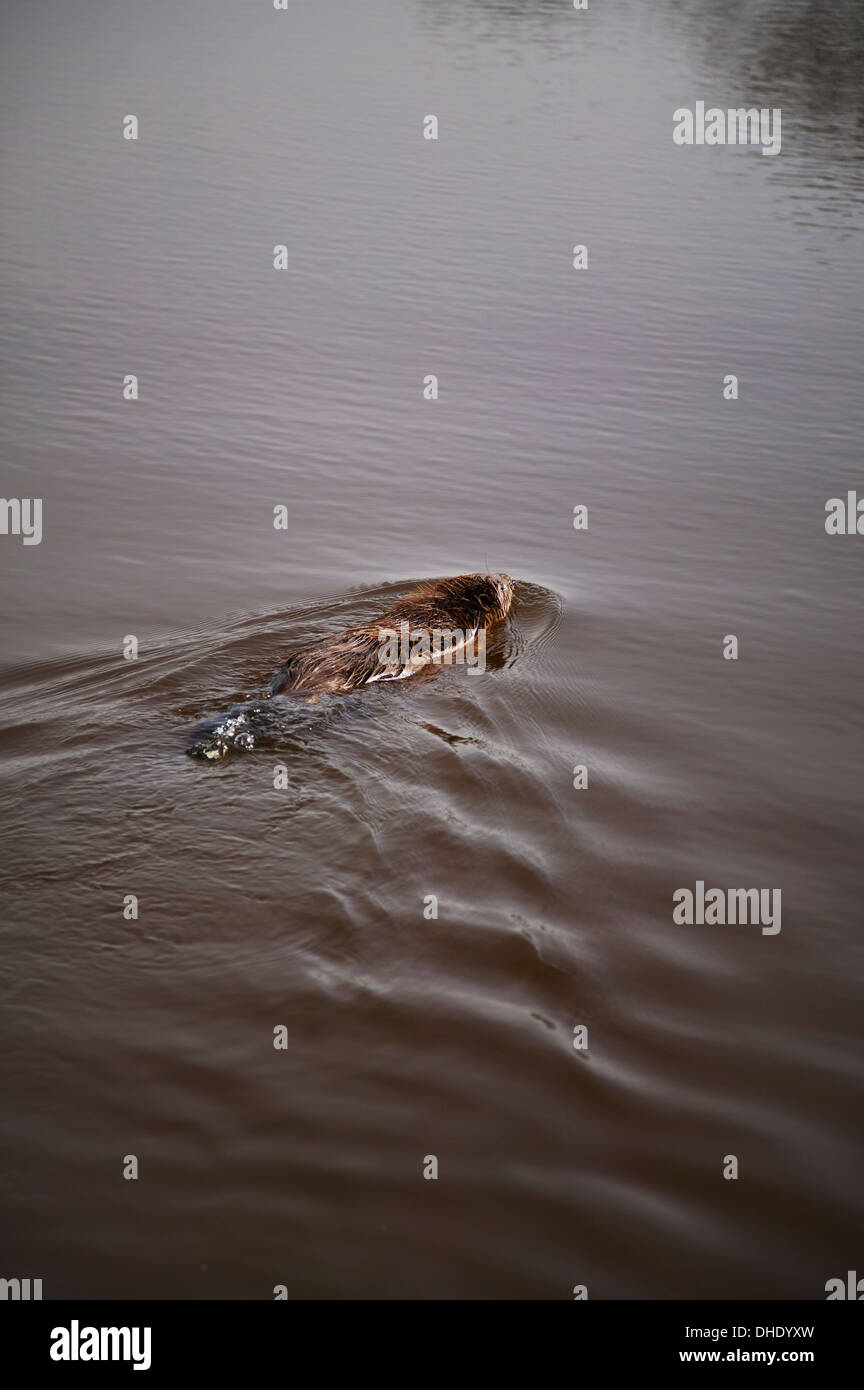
{"points": [[302, 906]]}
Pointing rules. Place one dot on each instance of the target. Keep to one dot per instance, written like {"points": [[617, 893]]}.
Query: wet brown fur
{"points": [[351, 658]]}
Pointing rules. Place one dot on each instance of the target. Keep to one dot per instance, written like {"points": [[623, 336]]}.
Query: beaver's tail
{"points": [[242, 728]]}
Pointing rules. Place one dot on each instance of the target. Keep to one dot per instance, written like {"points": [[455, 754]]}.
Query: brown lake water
{"points": [[303, 907]]}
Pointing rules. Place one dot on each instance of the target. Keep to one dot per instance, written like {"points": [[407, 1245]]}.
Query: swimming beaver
{"points": [[430, 624], [453, 608]]}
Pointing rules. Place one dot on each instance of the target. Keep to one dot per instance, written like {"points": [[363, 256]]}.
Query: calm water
{"points": [[303, 907]]}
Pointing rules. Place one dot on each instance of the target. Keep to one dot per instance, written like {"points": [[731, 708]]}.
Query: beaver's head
{"points": [[487, 595]]}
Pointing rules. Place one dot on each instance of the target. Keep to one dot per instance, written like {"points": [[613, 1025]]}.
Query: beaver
{"points": [[454, 609], [431, 624]]}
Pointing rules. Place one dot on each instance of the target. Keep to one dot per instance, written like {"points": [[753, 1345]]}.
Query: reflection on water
{"points": [[801, 55], [808, 56]]}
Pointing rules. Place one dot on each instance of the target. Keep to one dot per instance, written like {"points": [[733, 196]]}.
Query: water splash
{"points": [[244, 727]]}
